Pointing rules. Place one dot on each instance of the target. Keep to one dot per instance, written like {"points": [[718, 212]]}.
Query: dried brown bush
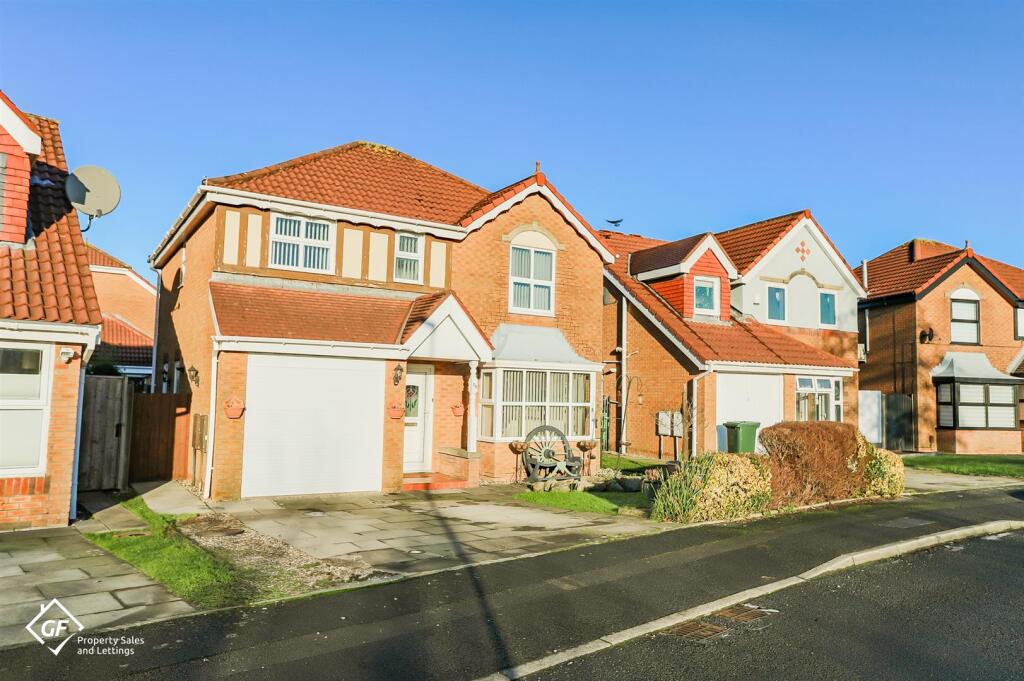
{"points": [[815, 461]]}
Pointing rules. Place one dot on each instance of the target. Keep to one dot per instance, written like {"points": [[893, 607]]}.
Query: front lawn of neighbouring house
{"points": [[1011, 466], [202, 579], [628, 464], [588, 502]]}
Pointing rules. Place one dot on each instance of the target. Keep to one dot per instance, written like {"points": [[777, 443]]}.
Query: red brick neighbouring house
{"points": [[49, 323], [944, 326], [357, 319], [757, 323]]}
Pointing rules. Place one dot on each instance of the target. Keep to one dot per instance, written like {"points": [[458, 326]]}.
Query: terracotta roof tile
{"points": [[420, 311], [1012, 276], [98, 256], [746, 245], [622, 244], [664, 255], [49, 279], [123, 344], [736, 341], [365, 176]]}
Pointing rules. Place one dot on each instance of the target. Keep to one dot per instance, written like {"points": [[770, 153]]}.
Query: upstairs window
{"points": [[409, 259], [777, 303], [965, 317], [302, 244], [1020, 323], [827, 308], [532, 280], [706, 296]]}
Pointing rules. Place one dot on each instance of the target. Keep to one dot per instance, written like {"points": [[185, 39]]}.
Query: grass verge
{"points": [[1005, 466], [201, 578], [628, 464], [587, 502]]}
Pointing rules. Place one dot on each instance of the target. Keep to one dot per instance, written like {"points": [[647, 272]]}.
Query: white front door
{"points": [[419, 401]]}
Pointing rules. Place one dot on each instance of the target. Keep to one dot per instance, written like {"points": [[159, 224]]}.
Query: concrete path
{"points": [[107, 514], [919, 480], [426, 531], [466, 624], [170, 497], [99, 589]]}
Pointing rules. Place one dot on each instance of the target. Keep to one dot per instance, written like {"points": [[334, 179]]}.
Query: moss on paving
{"points": [[1006, 466], [163, 554], [587, 502]]}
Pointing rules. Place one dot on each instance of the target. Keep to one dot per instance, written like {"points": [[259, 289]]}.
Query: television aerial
{"points": [[93, 191]]}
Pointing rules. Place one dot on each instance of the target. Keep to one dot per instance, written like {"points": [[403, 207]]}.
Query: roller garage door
{"points": [[313, 425], [747, 397]]}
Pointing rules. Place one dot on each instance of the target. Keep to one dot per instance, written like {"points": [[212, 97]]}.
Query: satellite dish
{"points": [[94, 191]]}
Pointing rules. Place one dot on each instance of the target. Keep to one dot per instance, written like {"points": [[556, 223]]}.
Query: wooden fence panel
{"points": [[104, 433], [160, 437]]}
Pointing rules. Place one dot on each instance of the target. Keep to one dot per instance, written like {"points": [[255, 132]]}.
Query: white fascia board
{"points": [[25, 136], [292, 346], [450, 308], [653, 320], [134, 370], [559, 206], [756, 368], [176, 234], [550, 366], [51, 332], [131, 274], [823, 243], [309, 209], [660, 272], [709, 243]]}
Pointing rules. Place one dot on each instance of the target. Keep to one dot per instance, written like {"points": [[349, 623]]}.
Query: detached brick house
{"points": [[357, 319], [49, 323], [756, 323], [945, 326], [128, 306]]}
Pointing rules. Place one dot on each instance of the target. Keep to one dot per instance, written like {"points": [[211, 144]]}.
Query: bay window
{"points": [[302, 244], [819, 399], [515, 401], [977, 406], [24, 408]]}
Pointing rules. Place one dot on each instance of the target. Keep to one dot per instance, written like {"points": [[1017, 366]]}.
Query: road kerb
{"points": [[842, 562]]}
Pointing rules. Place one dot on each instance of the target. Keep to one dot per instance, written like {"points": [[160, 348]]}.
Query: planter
{"points": [[396, 411], [458, 409], [518, 446], [234, 407]]}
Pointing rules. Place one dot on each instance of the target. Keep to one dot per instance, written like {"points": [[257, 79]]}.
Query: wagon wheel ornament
{"points": [[548, 451]]}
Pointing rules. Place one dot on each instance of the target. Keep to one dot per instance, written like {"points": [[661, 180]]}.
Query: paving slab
{"points": [[144, 595], [920, 480], [78, 587], [170, 497]]}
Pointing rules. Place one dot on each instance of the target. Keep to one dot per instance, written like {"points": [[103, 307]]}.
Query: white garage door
{"points": [[312, 425], [747, 397]]}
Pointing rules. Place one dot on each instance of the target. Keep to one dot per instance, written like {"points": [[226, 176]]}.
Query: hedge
{"points": [[714, 487]]}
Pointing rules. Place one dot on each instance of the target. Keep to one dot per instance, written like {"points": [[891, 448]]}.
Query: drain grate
{"points": [[697, 630], [740, 613]]}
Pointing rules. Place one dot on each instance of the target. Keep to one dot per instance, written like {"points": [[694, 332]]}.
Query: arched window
{"points": [[965, 317], [531, 286]]}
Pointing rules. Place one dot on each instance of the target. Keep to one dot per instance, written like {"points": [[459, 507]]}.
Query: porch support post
{"points": [[474, 386]]}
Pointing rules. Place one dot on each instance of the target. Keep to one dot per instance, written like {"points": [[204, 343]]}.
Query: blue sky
{"points": [[888, 120]]}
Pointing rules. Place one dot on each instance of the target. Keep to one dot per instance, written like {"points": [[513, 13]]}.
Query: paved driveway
{"points": [[425, 531]]}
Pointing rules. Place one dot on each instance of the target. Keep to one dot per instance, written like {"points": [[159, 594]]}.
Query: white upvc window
{"points": [[706, 296], [819, 398], [409, 258], [532, 280], [302, 244], [776, 303], [965, 317], [1019, 312], [25, 374], [515, 401]]}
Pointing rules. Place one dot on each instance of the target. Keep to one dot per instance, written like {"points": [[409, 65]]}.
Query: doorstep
{"points": [[418, 482]]}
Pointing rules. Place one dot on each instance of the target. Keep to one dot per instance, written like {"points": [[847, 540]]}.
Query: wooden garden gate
{"points": [[160, 437], [106, 424]]}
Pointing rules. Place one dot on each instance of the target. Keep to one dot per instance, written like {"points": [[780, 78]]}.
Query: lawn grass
{"points": [[1005, 466], [202, 579], [628, 464], [587, 502]]}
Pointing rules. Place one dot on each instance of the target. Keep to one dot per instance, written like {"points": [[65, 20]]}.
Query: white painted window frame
{"points": [[513, 280], [716, 293], [835, 306], [43, 404], [835, 403], [301, 240], [499, 403], [421, 244], [768, 303]]}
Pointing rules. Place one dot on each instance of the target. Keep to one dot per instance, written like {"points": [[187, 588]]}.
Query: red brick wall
{"points": [[14, 188], [979, 441], [892, 347], [45, 501], [449, 429], [394, 428], [229, 434]]}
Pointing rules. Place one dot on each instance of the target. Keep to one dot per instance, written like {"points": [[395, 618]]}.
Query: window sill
{"points": [[531, 313], [285, 268]]}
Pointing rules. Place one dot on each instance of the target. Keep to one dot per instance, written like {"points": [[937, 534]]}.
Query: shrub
{"points": [[714, 487], [884, 474], [826, 461]]}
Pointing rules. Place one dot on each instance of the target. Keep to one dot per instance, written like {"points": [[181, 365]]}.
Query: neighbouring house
{"points": [[49, 324], [128, 305], [356, 319], [944, 328], [756, 323]]}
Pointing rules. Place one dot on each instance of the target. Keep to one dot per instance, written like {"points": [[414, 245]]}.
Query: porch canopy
{"points": [[971, 367], [521, 345]]}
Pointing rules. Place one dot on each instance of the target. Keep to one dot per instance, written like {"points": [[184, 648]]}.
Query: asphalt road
{"points": [[953, 612], [473, 622]]}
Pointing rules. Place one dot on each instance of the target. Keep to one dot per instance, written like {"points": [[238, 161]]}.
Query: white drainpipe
{"points": [[471, 416], [623, 376], [211, 423]]}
